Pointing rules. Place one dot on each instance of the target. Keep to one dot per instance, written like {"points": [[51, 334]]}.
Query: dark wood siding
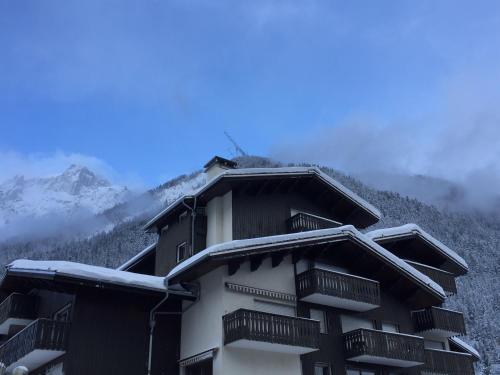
{"points": [[50, 302], [146, 265], [331, 344], [266, 214], [179, 231], [109, 335]]}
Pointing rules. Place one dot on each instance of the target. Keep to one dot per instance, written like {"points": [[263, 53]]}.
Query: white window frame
{"points": [[322, 365], [186, 255], [323, 322]]}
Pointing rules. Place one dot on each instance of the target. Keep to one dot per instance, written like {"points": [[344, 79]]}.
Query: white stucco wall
{"points": [[201, 328], [202, 324], [219, 212]]}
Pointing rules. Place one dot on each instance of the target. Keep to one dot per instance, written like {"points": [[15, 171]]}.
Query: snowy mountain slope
{"points": [[75, 193], [475, 237], [76, 188]]}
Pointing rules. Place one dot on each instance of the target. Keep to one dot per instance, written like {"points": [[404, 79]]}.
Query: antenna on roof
{"points": [[239, 150]]}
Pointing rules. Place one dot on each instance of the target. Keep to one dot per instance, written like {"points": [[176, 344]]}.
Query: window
{"points": [[351, 323], [321, 316], [274, 307], [321, 369], [183, 216], [201, 368], [356, 371], [64, 314], [182, 251], [390, 327], [433, 344]]}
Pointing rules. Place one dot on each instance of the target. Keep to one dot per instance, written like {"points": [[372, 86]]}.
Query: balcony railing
{"points": [[445, 279], [302, 222], [16, 309], [259, 330], [48, 337], [448, 363], [338, 290], [439, 321], [386, 348]]}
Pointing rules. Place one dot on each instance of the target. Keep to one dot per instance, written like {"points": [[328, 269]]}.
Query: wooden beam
{"points": [[296, 256], [276, 259], [262, 188], [232, 267], [255, 262]]}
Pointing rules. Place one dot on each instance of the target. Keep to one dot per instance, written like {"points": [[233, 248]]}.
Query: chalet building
{"points": [[260, 271]]}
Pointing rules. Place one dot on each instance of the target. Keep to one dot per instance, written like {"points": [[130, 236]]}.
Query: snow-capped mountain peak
{"points": [[76, 190]]}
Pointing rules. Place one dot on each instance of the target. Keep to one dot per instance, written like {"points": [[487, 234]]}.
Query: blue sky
{"points": [[143, 90]]}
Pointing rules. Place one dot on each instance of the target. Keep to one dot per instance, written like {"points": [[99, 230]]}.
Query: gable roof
{"points": [[458, 265], [464, 346], [261, 245], [84, 273], [137, 258], [371, 212]]}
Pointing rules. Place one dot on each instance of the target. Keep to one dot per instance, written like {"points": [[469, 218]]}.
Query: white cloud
{"points": [[459, 143], [40, 165]]}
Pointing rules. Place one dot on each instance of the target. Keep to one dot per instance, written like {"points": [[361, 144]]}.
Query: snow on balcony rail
{"points": [[88, 272], [414, 229]]}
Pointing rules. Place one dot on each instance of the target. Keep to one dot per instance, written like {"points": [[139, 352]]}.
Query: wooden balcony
{"points": [[338, 290], [39, 343], [17, 309], [438, 321], [384, 348], [442, 362], [270, 332], [445, 279], [302, 222]]}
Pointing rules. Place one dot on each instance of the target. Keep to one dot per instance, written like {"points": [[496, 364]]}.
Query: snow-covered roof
{"points": [[88, 272], [283, 171], [296, 239], [414, 229], [465, 346], [137, 257]]}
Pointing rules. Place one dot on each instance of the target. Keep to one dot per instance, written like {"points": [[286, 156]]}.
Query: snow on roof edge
{"points": [[136, 257], [90, 272], [465, 346], [262, 171], [412, 228], [239, 245], [402, 264]]}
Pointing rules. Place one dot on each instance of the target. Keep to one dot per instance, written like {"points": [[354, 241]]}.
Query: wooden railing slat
{"points": [[383, 344], [41, 334], [272, 328], [337, 285]]}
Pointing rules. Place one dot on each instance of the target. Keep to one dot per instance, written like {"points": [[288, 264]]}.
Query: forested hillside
{"points": [[475, 237]]}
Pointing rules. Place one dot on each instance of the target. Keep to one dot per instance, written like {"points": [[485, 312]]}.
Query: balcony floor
{"points": [[35, 359], [4, 327], [384, 361], [270, 347], [341, 303]]}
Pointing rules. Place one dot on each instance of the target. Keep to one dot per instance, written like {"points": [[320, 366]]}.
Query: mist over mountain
{"points": [[473, 235], [42, 205]]}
